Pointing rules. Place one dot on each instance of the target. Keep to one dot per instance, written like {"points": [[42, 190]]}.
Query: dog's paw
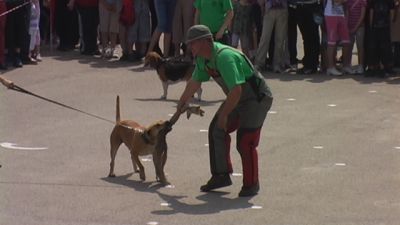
{"points": [[163, 97], [111, 175], [142, 176]]}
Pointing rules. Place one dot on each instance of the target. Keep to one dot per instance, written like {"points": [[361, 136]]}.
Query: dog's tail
{"points": [[118, 117]]}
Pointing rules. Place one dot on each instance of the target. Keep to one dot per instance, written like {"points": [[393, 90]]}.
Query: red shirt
{"points": [[87, 3]]}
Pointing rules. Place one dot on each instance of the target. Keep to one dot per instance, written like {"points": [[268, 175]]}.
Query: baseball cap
{"points": [[197, 32]]}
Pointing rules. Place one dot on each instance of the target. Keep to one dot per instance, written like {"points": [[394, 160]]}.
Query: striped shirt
{"points": [[354, 8]]}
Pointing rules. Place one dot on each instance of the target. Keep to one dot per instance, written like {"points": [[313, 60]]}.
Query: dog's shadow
{"points": [[213, 202], [137, 185]]}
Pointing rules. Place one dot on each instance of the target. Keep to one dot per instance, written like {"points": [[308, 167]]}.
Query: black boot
{"points": [[249, 191], [216, 181]]}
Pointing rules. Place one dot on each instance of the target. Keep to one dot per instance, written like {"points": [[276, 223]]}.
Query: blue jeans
{"points": [[165, 14]]}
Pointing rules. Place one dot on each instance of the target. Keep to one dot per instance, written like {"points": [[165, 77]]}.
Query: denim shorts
{"points": [[165, 14]]}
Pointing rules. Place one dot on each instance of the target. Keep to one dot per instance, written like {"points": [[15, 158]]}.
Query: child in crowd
{"points": [[380, 16], [34, 32], [243, 27], [109, 26], [356, 16], [138, 34], [337, 30]]}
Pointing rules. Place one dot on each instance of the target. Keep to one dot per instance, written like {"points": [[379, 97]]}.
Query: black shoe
{"points": [[3, 67], [249, 191], [216, 181], [124, 57], [91, 53], [306, 71], [29, 61], [17, 63], [135, 57]]}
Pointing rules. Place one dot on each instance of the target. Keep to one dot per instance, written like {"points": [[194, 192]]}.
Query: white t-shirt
{"points": [[333, 9]]}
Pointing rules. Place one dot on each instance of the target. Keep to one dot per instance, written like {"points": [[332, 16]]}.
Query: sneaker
{"points": [[333, 72], [359, 69], [216, 181], [17, 62], [306, 71], [3, 66], [249, 191], [348, 70]]}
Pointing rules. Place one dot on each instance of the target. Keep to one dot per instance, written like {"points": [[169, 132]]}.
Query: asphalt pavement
{"points": [[329, 152]]}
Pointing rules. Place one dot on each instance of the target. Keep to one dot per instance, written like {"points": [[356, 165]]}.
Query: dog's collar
{"points": [[160, 62]]}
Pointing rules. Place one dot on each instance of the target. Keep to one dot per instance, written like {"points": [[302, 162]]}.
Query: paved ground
{"points": [[329, 152]]}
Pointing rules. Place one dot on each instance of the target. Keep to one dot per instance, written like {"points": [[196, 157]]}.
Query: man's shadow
{"points": [[213, 202]]}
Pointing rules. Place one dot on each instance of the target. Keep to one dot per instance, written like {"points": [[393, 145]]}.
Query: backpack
{"points": [[127, 14]]}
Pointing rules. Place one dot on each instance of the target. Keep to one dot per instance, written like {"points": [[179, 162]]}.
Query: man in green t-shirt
{"points": [[247, 102], [216, 15]]}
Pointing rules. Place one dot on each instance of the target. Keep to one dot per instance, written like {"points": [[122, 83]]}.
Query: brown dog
{"points": [[170, 70], [141, 141]]}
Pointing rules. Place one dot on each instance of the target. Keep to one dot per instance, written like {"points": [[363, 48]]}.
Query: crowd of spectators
{"points": [[265, 30]]}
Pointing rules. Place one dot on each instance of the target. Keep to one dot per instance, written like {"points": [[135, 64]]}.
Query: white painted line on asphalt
{"points": [[165, 204], [256, 207], [340, 164], [291, 99], [332, 105], [206, 145], [397, 147], [147, 159], [372, 91], [170, 115], [170, 186], [204, 131], [272, 112], [152, 223], [15, 147], [237, 174], [318, 147]]}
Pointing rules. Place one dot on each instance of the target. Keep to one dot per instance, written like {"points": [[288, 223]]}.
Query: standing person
{"points": [[292, 35], [137, 34], [3, 8], [165, 13], [381, 14], [248, 99], [305, 10], [66, 24], [243, 26], [109, 26], [337, 30], [395, 34], [34, 46], [356, 16], [89, 21], [275, 19], [140, 32], [183, 20], [17, 32], [216, 15]]}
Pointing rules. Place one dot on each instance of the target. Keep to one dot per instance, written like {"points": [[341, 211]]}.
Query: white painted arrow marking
{"points": [[15, 147]]}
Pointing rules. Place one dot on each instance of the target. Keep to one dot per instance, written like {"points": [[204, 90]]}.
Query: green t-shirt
{"points": [[213, 12], [231, 65]]}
